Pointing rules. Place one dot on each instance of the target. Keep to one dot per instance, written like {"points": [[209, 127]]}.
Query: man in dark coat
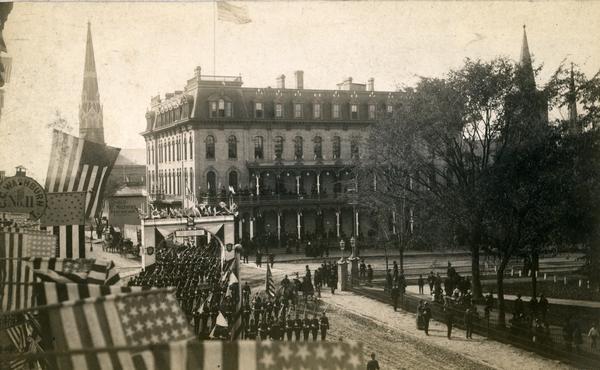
{"points": [[395, 294], [543, 307], [332, 281], [306, 326], [426, 317], [324, 326], [420, 283], [470, 315], [370, 275], [449, 317], [314, 327], [519, 307], [289, 327], [297, 328]]}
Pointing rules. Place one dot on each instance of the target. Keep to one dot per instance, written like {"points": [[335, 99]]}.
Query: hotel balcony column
{"points": [[337, 223], [298, 185], [318, 183], [240, 228], [251, 228], [299, 215], [278, 226], [356, 222], [257, 183]]}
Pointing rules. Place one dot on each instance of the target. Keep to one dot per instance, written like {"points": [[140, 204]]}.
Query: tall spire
{"points": [[528, 77], [90, 111]]}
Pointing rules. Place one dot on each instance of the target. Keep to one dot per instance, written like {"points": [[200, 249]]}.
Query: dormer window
{"points": [[317, 110], [335, 110], [220, 108], [390, 109], [278, 110], [298, 110], [371, 111], [213, 109], [354, 111], [258, 110]]}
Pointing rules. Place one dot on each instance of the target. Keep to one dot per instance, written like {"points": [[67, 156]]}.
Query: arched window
{"points": [[298, 147], [210, 147], [337, 147], [258, 147], [169, 151], [185, 149], [221, 108], [278, 147], [232, 147], [177, 152], [191, 148], [211, 181], [233, 180], [318, 147], [173, 150]]}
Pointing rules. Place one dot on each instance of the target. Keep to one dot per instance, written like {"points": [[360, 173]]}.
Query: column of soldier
{"points": [[281, 317], [196, 275]]}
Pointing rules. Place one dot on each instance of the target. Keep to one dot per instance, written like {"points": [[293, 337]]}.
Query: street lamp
{"points": [[342, 247], [353, 245]]}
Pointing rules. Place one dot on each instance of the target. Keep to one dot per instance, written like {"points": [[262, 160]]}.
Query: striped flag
{"points": [[16, 276], [145, 318], [78, 165], [237, 327], [49, 293], [270, 288], [71, 240], [19, 335], [81, 271], [232, 13]]}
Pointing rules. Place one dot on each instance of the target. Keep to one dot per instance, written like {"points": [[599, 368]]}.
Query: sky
{"points": [[146, 49]]}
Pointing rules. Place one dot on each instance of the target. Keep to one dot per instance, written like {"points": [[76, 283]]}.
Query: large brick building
{"points": [[287, 151]]}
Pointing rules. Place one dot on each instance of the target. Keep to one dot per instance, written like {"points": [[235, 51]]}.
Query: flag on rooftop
{"points": [[228, 12], [137, 319]]}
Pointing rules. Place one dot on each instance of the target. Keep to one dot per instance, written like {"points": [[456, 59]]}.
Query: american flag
{"points": [[19, 335], [49, 293], [78, 165], [16, 276], [270, 288], [82, 271], [143, 318], [233, 13]]}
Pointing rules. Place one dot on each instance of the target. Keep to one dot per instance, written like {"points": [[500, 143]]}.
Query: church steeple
{"points": [[90, 111], [526, 68]]}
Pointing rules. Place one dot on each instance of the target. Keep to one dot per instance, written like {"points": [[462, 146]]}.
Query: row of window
{"points": [[278, 142], [170, 181], [170, 150], [222, 108]]}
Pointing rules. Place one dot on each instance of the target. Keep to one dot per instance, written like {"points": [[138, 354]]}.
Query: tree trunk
{"points": [[476, 279], [500, 284]]}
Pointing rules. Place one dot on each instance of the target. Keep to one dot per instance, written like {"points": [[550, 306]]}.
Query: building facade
{"points": [[284, 154]]}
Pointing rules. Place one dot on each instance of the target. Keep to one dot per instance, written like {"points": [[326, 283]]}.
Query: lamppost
{"points": [[342, 267], [268, 233], [353, 245], [342, 247]]}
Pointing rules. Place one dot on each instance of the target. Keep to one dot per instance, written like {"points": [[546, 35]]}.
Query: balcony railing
{"points": [[275, 199]]}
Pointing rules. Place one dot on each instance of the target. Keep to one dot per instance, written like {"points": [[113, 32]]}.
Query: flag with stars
{"points": [[137, 319]]}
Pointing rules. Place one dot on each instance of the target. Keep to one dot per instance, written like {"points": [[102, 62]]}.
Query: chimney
{"points": [[169, 96], [371, 84], [281, 82], [299, 80], [198, 72]]}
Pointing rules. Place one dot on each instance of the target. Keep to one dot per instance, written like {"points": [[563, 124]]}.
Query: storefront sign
{"points": [[21, 194]]}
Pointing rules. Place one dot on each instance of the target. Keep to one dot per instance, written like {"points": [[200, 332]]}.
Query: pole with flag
{"points": [[270, 284]]}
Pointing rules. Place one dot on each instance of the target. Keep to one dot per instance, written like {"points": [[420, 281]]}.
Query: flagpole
{"points": [[214, 37]]}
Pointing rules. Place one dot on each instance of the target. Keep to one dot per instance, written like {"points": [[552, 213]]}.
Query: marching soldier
{"points": [[289, 327], [263, 329], [297, 328], [306, 326], [275, 330], [252, 329], [314, 327], [324, 326]]}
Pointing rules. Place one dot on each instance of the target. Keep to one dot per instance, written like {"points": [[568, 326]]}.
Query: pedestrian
{"points": [[593, 334], [306, 326], [395, 294], [519, 309], [388, 281], [431, 281], [396, 271], [420, 309], [332, 280], [373, 364], [258, 258], [426, 317], [469, 318], [543, 307], [533, 307], [362, 271], [324, 326], [272, 259], [421, 282], [370, 275], [449, 317]]}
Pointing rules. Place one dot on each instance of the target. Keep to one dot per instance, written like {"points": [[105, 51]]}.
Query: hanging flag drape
{"points": [[270, 284]]}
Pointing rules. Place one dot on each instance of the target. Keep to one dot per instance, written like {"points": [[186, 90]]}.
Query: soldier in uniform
{"points": [[289, 327], [314, 327], [395, 294], [263, 329], [257, 308], [246, 292], [275, 330], [297, 328], [324, 326], [252, 329], [306, 324]]}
